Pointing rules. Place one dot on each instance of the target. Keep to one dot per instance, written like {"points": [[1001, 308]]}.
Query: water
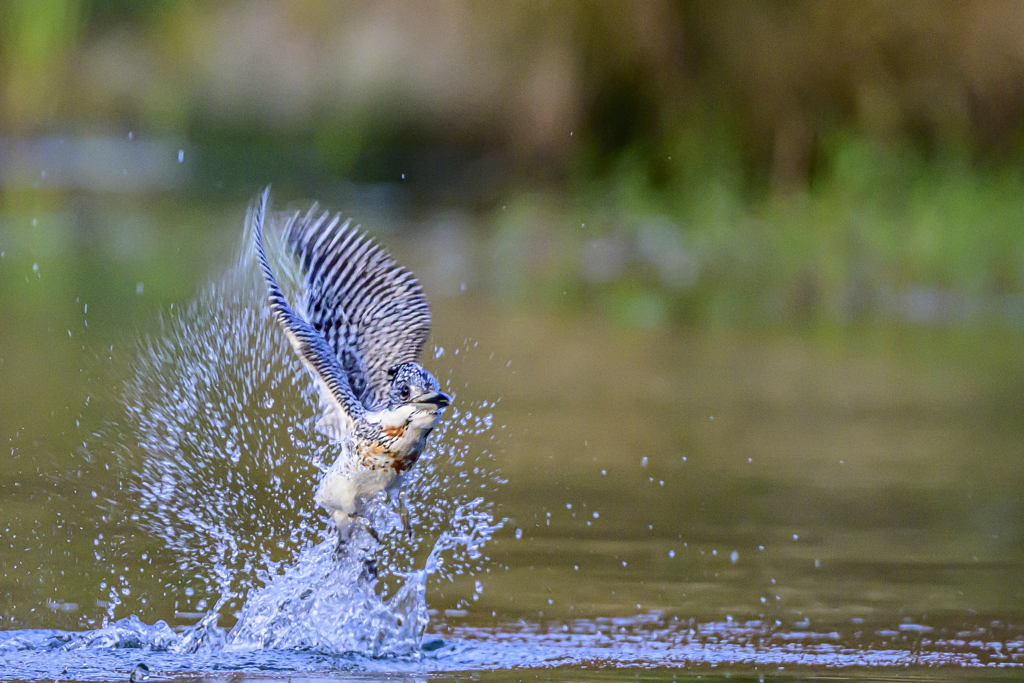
{"points": [[647, 642], [216, 457], [714, 500]]}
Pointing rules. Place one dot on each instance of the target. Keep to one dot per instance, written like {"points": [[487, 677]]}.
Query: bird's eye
{"points": [[403, 393]]}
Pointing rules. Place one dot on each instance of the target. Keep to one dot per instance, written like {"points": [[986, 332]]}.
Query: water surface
{"points": [[709, 498]]}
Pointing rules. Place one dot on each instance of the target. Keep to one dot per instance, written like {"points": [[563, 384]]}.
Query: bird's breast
{"points": [[379, 456], [400, 440]]}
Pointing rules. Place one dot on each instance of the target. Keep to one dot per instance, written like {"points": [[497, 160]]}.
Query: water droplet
{"points": [[735, 556], [643, 461], [181, 155], [141, 671]]}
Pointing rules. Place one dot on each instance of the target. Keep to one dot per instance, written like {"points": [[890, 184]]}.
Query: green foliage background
{"points": [[735, 161]]}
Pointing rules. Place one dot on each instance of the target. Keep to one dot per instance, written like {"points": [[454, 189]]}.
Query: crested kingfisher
{"points": [[364, 322]]}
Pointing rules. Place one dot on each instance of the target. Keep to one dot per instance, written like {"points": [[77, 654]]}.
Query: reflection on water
{"points": [[736, 489]]}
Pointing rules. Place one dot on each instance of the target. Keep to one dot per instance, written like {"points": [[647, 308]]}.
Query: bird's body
{"points": [[365, 322]]}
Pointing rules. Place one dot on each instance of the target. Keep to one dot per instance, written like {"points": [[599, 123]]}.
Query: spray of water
{"points": [[219, 460]]}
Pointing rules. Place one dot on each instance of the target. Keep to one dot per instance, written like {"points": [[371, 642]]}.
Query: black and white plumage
{"points": [[366, 306], [365, 324]]}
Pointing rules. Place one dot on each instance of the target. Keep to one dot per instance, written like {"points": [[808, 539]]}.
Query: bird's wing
{"points": [[308, 343], [359, 299]]}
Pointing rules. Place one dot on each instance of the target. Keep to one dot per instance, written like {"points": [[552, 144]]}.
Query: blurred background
{"points": [[666, 162], [761, 263]]}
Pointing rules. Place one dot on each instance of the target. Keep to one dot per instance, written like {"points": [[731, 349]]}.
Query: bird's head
{"points": [[413, 409], [412, 385]]}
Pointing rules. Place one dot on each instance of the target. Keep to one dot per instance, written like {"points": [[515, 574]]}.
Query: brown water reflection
{"points": [[814, 477], [829, 475]]}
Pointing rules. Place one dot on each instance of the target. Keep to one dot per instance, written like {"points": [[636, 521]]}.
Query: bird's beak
{"points": [[433, 400]]}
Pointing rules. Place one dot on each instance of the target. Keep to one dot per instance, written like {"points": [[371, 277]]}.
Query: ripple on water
{"points": [[645, 641]]}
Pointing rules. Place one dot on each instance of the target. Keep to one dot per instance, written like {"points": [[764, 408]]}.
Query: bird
{"points": [[364, 323]]}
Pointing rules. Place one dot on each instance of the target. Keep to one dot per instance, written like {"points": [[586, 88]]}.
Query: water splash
{"points": [[321, 603], [715, 650], [217, 457]]}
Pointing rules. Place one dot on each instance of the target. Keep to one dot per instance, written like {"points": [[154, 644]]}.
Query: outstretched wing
{"points": [[308, 343], [359, 299]]}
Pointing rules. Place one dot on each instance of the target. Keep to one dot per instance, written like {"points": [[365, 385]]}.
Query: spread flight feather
{"points": [[365, 313], [372, 311]]}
